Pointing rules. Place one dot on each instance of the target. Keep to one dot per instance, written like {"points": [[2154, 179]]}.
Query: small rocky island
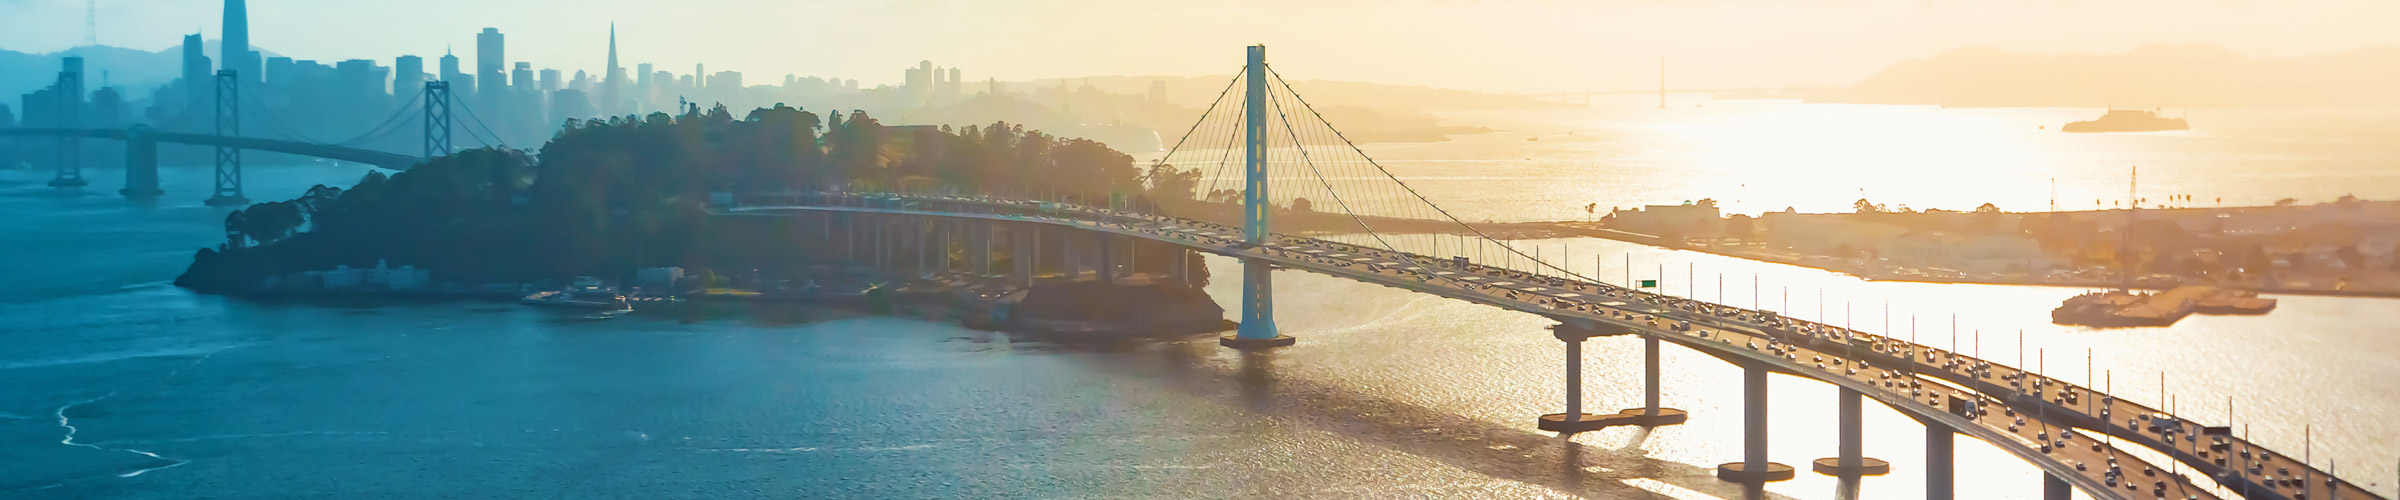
{"points": [[635, 205]]}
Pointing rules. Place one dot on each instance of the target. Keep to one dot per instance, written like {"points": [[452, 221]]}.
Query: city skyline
{"points": [[1616, 43]]}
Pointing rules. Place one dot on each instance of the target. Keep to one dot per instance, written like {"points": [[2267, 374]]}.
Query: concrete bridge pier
{"points": [[2056, 488], [1650, 414], [1940, 472], [920, 238], [1181, 269], [1754, 467], [945, 227], [1023, 250], [1071, 256], [979, 248], [1108, 257], [1850, 463], [1574, 420], [850, 238], [141, 164]]}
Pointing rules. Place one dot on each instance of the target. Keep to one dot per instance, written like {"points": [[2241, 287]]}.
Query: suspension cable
{"points": [[1412, 191]]}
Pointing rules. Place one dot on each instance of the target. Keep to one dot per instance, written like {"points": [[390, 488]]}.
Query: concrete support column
{"points": [[1940, 475], [2056, 488], [981, 248], [1022, 254], [1071, 253], [917, 241], [1574, 420], [1574, 380], [1181, 269], [1852, 460], [1649, 375], [1754, 467], [1650, 414], [1108, 257], [141, 164]]}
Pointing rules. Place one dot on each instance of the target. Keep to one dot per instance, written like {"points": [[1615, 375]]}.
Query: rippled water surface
{"points": [[114, 384]]}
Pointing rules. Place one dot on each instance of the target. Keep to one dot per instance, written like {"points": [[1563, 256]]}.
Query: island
{"points": [[635, 200]]}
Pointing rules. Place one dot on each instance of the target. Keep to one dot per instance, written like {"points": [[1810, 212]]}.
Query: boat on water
{"points": [[586, 293], [2128, 120], [572, 299]]}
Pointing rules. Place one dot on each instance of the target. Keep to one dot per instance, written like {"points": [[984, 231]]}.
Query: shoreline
{"points": [[1644, 239], [898, 299]]}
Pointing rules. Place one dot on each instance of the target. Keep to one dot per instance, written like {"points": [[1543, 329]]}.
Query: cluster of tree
{"points": [[609, 196]]}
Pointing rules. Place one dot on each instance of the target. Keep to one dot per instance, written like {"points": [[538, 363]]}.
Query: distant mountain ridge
{"points": [[133, 70], [2157, 75]]}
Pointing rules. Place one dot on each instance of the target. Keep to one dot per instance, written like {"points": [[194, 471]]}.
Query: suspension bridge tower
{"points": [[70, 117], [437, 119], [1258, 291], [229, 158]]}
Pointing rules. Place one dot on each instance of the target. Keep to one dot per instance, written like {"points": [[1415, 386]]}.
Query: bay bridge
{"points": [[2081, 438], [226, 114]]}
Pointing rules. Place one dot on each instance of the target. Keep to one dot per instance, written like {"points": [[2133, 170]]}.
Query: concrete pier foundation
{"points": [[1650, 414], [1754, 467], [1574, 420], [1851, 461], [141, 164]]}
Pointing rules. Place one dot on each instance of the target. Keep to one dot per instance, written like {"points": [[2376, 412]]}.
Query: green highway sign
{"points": [[1649, 283]]}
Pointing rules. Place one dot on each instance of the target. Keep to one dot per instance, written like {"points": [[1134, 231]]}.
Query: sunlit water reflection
{"points": [[1388, 394]]}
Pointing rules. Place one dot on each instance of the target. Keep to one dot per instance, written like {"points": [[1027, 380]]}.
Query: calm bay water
{"points": [[114, 384]]}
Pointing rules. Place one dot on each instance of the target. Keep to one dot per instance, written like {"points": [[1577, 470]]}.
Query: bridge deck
{"points": [[393, 161], [1909, 377]]}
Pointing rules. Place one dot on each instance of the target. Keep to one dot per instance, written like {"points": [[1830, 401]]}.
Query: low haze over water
{"points": [[122, 386]]}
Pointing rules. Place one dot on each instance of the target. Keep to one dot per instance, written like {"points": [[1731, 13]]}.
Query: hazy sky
{"points": [[1506, 45]]}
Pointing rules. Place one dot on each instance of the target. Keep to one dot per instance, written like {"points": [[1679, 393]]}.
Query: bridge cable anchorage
{"points": [[1445, 213]]}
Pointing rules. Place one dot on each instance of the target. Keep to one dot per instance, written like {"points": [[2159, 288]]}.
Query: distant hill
{"points": [[134, 70], [1198, 91], [2159, 75]]}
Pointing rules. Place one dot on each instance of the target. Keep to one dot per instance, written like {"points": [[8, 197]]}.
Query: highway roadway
{"points": [[2016, 417]]}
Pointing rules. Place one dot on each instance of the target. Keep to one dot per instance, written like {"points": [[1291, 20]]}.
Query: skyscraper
{"points": [[234, 52], [358, 78], [491, 61], [522, 78], [459, 82], [408, 75], [196, 70], [951, 89], [609, 96]]}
